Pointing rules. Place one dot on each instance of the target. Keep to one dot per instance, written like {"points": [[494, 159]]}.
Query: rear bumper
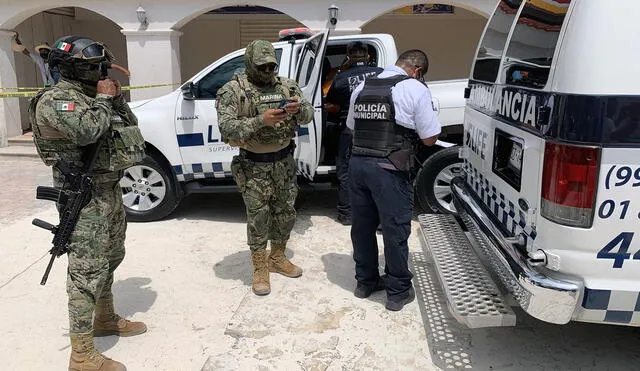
{"points": [[543, 297]]}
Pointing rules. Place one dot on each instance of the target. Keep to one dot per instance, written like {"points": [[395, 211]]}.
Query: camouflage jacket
{"points": [[65, 122], [240, 105]]}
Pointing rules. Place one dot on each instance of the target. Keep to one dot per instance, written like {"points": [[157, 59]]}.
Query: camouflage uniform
{"points": [[269, 189], [66, 121]]}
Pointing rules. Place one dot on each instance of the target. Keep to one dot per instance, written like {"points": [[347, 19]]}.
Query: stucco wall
{"points": [[449, 40]]}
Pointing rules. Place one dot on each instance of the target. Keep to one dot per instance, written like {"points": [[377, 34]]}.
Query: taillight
{"points": [[569, 184]]}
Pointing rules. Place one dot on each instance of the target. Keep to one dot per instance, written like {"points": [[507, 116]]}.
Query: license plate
{"points": [[515, 160]]}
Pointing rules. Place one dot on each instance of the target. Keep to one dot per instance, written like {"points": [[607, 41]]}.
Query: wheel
{"points": [[148, 191], [433, 182]]}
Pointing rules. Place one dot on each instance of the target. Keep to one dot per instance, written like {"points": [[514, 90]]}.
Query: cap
{"points": [[42, 46]]}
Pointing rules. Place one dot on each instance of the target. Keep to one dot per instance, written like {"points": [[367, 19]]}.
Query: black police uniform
{"points": [[340, 94], [381, 190]]}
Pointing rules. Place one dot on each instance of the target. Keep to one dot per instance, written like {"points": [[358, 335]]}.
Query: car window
{"points": [[533, 43], [487, 62], [208, 86], [308, 61]]}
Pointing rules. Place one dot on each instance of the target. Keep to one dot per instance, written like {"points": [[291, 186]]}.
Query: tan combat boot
{"points": [[107, 322], [85, 357], [261, 284], [279, 263]]}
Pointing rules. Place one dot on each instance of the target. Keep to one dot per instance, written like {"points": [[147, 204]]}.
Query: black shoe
{"points": [[344, 220], [364, 291], [395, 306]]}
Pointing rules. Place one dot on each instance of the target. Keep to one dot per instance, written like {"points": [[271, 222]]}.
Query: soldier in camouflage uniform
{"points": [[68, 120], [251, 115]]}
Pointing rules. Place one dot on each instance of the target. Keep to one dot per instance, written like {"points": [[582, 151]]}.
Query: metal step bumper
{"points": [[542, 296], [473, 298]]}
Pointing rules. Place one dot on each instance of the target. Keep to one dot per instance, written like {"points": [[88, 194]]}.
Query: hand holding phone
{"points": [[290, 106]]}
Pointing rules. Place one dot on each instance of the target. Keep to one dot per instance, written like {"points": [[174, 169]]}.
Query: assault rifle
{"points": [[71, 200]]}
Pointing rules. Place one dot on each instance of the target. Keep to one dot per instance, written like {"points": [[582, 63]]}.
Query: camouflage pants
{"points": [[269, 190], [96, 250]]}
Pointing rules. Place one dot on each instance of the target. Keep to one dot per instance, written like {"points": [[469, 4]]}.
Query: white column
{"points": [[10, 124], [153, 58]]}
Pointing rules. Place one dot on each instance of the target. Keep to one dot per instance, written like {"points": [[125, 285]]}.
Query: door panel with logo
{"points": [[204, 155]]}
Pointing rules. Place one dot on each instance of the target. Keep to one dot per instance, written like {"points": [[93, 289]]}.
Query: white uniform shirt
{"points": [[412, 103]]}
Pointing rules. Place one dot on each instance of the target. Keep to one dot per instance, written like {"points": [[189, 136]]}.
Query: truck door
{"points": [[307, 73]]}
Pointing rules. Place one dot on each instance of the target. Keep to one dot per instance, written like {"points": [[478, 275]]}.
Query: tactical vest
{"points": [[376, 133], [254, 102], [121, 147]]}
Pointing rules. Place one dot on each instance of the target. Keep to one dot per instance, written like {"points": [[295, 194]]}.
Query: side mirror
{"points": [[189, 91]]}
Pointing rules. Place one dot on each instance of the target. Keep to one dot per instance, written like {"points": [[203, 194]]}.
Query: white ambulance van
{"points": [[186, 154], [548, 206]]}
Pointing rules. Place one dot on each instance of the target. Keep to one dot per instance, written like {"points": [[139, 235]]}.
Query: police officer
{"points": [[355, 72], [261, 112], [389, 114], [68, 120]]}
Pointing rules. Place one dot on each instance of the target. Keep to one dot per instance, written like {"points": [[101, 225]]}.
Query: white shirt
{"points": [[412, 103], [44, 69]]}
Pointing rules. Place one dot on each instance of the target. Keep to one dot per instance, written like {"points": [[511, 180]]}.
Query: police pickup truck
{"points": [[548, 201], [186, 154]]}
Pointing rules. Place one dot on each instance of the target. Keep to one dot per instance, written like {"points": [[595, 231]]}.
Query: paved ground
{"points": [[188, 278]]}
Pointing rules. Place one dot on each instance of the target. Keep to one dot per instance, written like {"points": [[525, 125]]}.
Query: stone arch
{"points": [[480, 7], [10, 21], [195, 13], [450, 40], [196, 54]]}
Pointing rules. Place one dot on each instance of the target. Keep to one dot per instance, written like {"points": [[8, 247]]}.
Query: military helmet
{"points": [[80, 58]]}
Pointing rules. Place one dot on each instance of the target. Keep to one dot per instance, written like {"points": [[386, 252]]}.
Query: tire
{"points": [[434, 180], [148, 191]]}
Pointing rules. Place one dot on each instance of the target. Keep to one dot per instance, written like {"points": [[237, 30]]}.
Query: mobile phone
{"points": [[284, 102]]}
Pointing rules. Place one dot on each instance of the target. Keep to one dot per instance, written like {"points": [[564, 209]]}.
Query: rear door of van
{"points": [[507, 112]]}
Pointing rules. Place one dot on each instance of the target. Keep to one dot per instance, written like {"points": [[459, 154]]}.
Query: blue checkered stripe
{"points": [[189, 172], [304, 169], [513, 219], [610, 306]]}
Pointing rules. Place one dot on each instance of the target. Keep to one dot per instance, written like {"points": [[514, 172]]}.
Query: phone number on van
{"points": [[622, 176]]}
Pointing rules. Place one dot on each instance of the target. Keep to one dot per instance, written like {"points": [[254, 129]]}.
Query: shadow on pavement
{"points": [[238, 266], [229, 207], [340, 271], [132, 295], [531, 345]]}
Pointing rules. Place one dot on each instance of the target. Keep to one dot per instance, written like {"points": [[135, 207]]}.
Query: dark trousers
{"points": [[381, 196], [342, 171]]}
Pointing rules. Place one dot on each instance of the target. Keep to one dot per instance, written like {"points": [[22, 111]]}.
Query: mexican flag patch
{"points": [[63, 46], [65, 106]]}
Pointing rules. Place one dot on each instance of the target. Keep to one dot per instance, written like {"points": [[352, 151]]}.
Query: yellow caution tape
{"points": [[30, 92], [26, 94], [147, 86], [30, 89]]}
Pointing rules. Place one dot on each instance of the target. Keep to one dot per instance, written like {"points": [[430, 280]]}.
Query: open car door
{"points": [[307, 72]]}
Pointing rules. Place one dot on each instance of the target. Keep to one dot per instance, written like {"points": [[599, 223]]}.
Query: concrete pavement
{"points": [[188, 278]]}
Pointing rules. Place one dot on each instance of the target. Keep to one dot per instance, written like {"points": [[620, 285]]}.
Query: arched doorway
{"points": [[48, 26], [217, 32], [448, 34]]}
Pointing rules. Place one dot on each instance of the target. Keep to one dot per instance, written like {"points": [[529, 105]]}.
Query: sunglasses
{"points": [[268, 67]]}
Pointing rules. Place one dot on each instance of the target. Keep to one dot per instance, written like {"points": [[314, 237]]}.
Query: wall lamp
{"points": [[333, 14], [142, 16]]}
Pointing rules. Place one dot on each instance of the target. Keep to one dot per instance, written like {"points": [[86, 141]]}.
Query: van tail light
{"points": [[570, 184]]}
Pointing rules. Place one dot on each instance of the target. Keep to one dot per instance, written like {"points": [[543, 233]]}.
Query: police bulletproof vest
{"points": [[376, 133]]}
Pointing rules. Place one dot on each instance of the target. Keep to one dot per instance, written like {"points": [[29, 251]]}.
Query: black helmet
{"points": [[80, 58]]}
